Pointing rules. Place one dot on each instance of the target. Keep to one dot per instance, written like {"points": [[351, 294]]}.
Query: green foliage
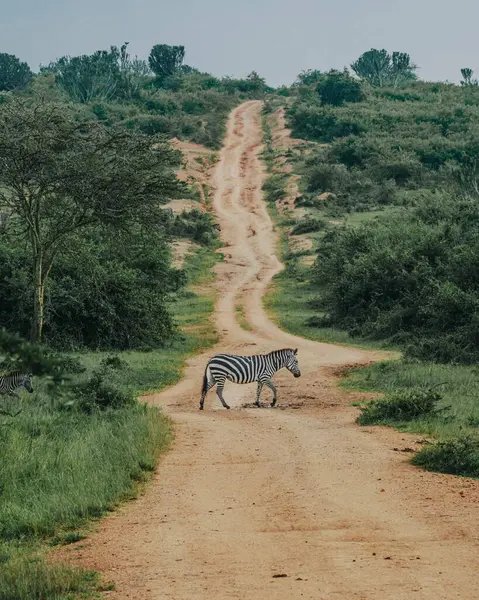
{"points": [[308, 77], [166, 60], [16, 354], [457, 456], [195, 225], [308, 225], [379, 68], [101, 392], [14, 74], [110, 289], [336, 88], [409, 278], [467, 77], [274, 187], [88, 77], [401, 406], [54, 161]]}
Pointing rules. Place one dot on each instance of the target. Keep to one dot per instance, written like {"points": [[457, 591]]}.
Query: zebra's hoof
{"points": [[227, 407], [201, 408]]}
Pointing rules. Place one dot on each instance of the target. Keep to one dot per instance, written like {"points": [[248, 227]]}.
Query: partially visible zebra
{"points": [[247, 369], [9, 383]]}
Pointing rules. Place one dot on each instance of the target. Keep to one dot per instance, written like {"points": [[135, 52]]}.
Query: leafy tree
{"points": [[338, 87], [379, 68], [14, 74], [467, 77], [308, 77], [166, 60], [59, 176]]}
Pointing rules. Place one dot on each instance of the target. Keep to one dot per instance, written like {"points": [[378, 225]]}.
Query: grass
{"points": [[66, 467], [25, 576], [459, 391], [241, 318]]}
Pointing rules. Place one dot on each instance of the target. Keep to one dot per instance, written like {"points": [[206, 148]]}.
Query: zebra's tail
{"points": [[205, 382]]}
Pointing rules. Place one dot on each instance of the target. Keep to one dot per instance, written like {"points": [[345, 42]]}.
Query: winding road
{"points": [[291, 503]]}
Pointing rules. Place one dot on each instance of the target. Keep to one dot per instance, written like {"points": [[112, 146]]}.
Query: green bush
{"points": [[338, 87], [274, 187], [457, 456], [410, 278], [100, 392], [400, 406], [308, 225]]}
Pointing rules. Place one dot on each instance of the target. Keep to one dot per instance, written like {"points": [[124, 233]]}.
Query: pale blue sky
{"points": [[277, 38]]}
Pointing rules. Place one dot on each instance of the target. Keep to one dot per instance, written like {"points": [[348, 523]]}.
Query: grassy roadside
{"points": [[66, 467], [440, 401]]}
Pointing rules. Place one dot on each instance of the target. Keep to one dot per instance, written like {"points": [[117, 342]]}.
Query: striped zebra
{"points": [[9, 383], [247, 369]]}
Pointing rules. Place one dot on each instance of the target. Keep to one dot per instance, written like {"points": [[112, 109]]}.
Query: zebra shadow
{"points": [[282, 406]]}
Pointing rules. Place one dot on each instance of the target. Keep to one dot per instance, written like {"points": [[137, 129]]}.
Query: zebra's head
{"points": [[292, 362], [27, 383]]}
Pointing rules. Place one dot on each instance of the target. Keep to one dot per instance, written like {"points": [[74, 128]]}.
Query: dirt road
{"points": [[249, 494]]}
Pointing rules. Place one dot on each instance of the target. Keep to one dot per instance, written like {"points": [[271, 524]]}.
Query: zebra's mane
{"points": [[282, 350], [10, 373]]}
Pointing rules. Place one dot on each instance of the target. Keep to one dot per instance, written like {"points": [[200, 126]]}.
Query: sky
{"points": [[276, 38]]}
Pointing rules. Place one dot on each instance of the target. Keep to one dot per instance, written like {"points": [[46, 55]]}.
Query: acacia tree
{"points": [[379, 68], [166, 60], [14, 74], [59, 175]]}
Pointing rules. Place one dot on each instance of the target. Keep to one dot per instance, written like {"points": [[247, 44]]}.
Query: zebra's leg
{"points": [[272, 387], [209, 385], [258, 392], [219, 392]]}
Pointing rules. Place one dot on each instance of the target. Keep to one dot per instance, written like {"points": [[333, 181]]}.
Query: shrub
{"points": [[100, 392], [457, 456], [308, 225], [338, 87], [274, 187], [401, 406]]}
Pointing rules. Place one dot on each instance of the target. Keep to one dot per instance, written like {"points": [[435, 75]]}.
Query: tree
{"points": [[88, 77], [99, 76], [59, 175], [467, 77], [308, 77], [166, 60], [14, 74], [379, 68], [338, 87]]}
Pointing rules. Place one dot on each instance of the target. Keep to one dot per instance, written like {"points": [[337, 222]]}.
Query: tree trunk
{"points": [[39, 277]]}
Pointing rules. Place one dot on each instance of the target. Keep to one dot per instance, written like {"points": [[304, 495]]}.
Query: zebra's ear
{"points": [[295, 351]]}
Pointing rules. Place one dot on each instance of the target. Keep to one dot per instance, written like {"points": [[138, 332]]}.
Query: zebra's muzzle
{"points": [[298, 374]]}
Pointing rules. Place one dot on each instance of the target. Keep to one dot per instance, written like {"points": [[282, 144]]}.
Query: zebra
{"points": [[10, 382], [247, 369]]}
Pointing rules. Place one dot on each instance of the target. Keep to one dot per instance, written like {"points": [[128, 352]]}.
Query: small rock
{"points": [[278, 575]]}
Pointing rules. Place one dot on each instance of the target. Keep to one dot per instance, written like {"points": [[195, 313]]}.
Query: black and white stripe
{"points": [[9, 383], [248, 369]]}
